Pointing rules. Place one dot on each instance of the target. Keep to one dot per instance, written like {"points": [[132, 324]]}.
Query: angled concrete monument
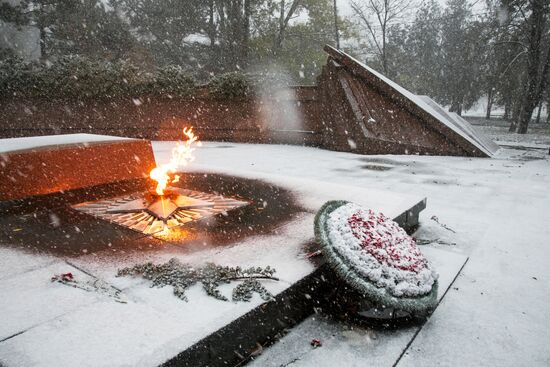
{"points": [[365, 112]]}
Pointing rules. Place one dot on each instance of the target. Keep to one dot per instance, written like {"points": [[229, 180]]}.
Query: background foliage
{"points": [[455, 52]]}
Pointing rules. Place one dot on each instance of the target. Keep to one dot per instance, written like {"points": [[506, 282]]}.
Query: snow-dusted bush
{"points": [[172, 79], [74, 77], [230, 85], [17, 76], [83, 78]]}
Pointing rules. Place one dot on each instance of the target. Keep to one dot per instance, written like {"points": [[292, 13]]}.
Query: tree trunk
{"points": [[456, 107], [515, 115], [43, 50], [280, 33], [538, 113], [541, 86], [525, 114], [544, 82], [41, 25], [246, 31], [336, 32], [506, 111], [384, 56], [222, 34], [489, 103], [214, 59], [234, 25], [453, 107], [211, 26], [533, 82]]}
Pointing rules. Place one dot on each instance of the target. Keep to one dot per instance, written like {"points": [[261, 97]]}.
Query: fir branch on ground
{"points": [[211, 276]]}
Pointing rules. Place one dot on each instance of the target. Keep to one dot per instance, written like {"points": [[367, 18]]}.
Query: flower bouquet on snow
{"points": [[376, 257]]}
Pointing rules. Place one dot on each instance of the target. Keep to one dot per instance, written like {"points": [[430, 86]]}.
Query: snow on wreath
{"points": [[374, 255]]}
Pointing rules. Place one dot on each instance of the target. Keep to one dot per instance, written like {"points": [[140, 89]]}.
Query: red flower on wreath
{"points": [[385, 241]]}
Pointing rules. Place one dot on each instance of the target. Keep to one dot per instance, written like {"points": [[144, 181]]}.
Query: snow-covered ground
{"points": [[51, 324], [537, 134], [496, 313], [496, 211], [479, 110]]}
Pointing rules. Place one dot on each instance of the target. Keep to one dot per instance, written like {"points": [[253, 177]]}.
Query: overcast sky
{"points": [[344, 7]]}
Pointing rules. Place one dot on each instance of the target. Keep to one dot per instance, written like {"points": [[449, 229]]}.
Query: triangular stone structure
{"points": [[365, 112]]}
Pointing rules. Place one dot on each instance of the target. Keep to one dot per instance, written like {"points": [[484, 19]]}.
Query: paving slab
{"points": [[12, 263], [30, 298], [355, 345]]}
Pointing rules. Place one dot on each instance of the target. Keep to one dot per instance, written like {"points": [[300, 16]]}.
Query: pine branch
{"points": [[252, 277], [211, 276]]}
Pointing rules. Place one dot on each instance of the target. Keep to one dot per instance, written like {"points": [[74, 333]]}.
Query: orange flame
{"points": [[182, 154]]}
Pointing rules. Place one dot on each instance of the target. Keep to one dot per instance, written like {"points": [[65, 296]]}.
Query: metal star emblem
{"points": [[140, 214]]}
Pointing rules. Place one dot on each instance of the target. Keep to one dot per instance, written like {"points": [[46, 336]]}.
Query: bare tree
{"points": [[376, 17], [286, 11]]}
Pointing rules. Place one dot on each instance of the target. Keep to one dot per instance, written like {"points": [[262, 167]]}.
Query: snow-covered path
{"points": [[497, 314], [497, 311]]}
